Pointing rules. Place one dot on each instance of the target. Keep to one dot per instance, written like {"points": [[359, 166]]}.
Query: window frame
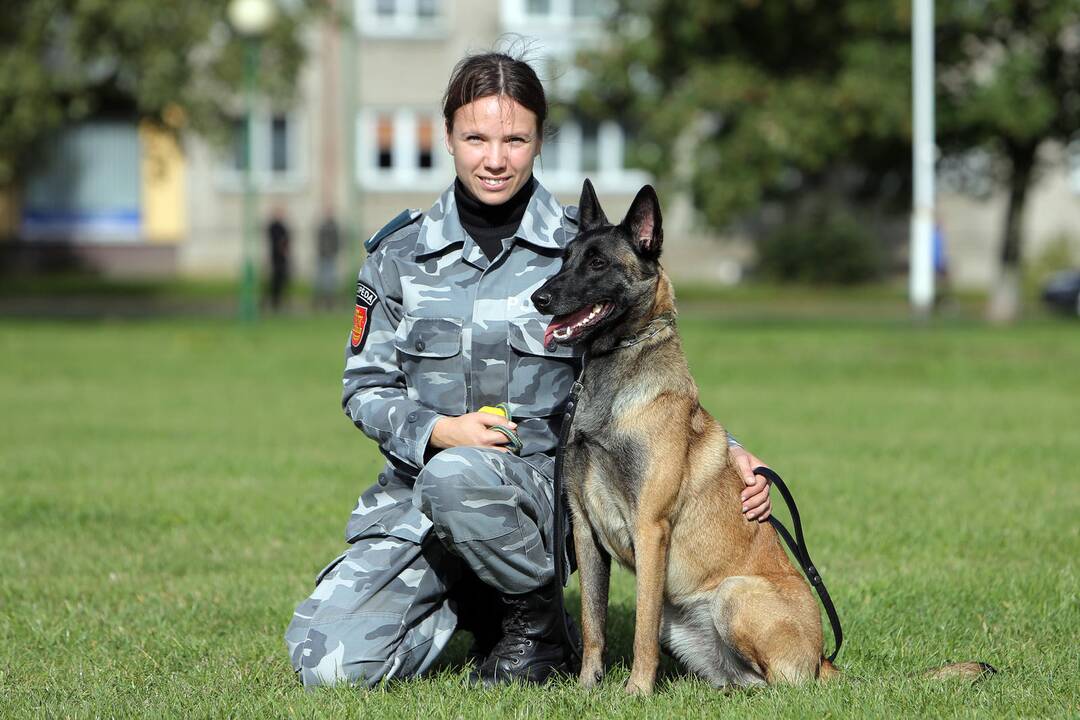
{"points": [[231, 178], [405, 22]]}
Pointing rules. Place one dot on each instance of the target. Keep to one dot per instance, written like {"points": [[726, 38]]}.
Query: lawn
{"points": [[169, 488]]}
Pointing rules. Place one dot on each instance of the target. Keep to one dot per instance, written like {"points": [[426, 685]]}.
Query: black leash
{"points": [[562, 572], [802, 555]]}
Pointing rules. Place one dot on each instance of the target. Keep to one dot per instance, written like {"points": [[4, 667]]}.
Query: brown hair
{"points": [[495, 73]]}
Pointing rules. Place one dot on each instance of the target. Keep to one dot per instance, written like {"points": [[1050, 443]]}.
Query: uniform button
{"points": [[552, 346], [570, 406], [412, 417], [420, 345], [382, 479]]}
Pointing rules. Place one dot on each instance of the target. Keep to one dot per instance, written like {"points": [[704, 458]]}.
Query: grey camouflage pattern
{"points": [[451, 332]]}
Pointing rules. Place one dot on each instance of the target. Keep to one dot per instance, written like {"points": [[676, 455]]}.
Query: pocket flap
{"points": [[527, 336], [429, 337]]}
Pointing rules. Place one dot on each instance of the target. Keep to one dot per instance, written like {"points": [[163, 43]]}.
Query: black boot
{"points": [[533, 646], [479, 612]]}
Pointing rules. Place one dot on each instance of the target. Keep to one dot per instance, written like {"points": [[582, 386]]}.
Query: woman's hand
{"points": [[472, 430], [755, 498]]}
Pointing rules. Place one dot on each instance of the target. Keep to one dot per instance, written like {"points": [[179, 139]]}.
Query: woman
{"points": [[444, 327]]}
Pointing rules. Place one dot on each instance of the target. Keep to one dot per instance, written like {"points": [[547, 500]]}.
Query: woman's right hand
{"points": [[472, 430]]}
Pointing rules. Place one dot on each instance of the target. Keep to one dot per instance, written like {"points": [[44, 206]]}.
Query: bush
{"points": [[821, 246]]}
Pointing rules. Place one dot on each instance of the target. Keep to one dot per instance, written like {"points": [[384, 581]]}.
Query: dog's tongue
{"points": [[561, 321]]}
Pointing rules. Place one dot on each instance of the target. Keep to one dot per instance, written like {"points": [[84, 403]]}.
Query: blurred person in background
{"points": [[458, 529], [277, 237], [327, 245]]}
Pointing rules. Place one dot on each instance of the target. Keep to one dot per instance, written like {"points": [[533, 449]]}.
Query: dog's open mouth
{"points": [[564, 328]]}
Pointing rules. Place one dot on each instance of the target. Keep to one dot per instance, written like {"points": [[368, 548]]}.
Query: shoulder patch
{"points": [[366, 298], [402, 219]]}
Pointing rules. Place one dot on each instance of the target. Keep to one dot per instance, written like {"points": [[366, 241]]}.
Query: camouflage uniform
{"points": [[449, 333]]}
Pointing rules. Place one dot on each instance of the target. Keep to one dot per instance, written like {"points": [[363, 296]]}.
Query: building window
{"points": [[279, 144], [590, 146], [401, 18], [579, 148], [270, 144], [398, 150], [86, 185], [384, 142], [424, 140]]}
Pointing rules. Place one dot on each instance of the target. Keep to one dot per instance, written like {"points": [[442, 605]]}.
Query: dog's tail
{"points": [[970, 671], [827, 671]]}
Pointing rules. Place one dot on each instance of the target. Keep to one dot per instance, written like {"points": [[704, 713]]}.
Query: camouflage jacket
{"points": [[440, 330]]}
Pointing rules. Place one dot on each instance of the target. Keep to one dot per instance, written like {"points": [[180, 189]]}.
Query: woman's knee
{"points": [[450, 475]]}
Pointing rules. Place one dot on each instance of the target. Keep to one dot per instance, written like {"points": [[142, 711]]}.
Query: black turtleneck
{"points": [[488, 225]]}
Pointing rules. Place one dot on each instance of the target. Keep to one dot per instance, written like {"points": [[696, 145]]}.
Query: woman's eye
{"points": [[598, 263]]}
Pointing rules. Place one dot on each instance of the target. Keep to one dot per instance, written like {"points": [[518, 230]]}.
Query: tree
{"points": [[178, 64], [1009, 82], [790, 99], [781, 100]]}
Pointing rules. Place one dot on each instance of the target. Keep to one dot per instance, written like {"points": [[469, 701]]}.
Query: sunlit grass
{"points": [[169, 488]]}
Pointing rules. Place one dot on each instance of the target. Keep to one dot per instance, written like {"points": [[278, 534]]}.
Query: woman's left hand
{"points": [[755, 498]]}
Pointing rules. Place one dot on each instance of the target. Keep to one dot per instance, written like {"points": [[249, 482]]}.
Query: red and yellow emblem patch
{"points": [[359, 324], [366, 298]]}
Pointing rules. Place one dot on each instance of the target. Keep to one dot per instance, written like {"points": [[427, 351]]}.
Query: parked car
{"points": [[1062, 292]]}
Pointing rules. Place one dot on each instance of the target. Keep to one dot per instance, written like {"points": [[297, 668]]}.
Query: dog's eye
{"points": [[598, 263]]}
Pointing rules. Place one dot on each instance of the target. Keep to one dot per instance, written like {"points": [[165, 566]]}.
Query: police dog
{"points": [[650, 481]]}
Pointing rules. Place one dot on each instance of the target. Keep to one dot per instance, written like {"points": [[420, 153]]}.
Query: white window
{"points": [[1072, 159], [401, 18], [553, 12], [581, 148], [401, 149], [272, 147]]}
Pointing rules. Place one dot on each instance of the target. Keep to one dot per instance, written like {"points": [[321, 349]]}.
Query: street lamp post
{"points": [[251, 19]]}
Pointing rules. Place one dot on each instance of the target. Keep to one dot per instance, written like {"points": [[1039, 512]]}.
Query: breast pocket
{"points": [[429, 350], [540, 378]]}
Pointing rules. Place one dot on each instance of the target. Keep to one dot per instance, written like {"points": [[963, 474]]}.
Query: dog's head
{"points": [[609, 273]]}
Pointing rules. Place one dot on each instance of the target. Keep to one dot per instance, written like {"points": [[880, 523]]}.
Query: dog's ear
{"points": [[644, 222], [590, 214]]}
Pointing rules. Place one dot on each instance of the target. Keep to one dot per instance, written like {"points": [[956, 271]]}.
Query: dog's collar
{"points": [[659, 323]]}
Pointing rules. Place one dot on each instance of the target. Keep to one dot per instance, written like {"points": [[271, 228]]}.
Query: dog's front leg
{"points": [[650, 555], [594, 574]]}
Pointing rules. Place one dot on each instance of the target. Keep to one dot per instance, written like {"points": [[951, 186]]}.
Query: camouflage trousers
{"points": [[383, 608]]}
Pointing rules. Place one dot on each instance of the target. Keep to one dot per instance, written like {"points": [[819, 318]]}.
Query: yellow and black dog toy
{"points": [[503, 410]]}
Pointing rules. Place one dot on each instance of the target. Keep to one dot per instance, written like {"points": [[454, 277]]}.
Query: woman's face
{"points": [[494, 142]]}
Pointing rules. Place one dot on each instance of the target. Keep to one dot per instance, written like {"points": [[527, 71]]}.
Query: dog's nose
{"points": [[542, 300]]}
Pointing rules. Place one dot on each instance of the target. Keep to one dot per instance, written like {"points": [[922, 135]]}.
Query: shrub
{"points": [[822, 246]]}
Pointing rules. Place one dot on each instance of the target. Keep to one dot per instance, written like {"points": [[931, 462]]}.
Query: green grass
{"points": [[169, 488]]}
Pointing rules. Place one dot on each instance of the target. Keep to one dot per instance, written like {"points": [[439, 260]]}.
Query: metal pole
{"points": [[351, 78], [248, 299], [921, 274]]}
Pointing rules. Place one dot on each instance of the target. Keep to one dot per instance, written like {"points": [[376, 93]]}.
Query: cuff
{"points": [[415, 434]]}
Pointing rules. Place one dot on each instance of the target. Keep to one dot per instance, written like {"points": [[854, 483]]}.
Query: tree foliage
{"points": [[782, 99], [177, 63], [778, 98], [1009, 81]]}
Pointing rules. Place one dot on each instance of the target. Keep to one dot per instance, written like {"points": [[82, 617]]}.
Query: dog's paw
{"points": [[638, 687], [590, 677]]}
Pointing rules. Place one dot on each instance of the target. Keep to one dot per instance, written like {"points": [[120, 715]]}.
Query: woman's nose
{"points": [[495, 156]]}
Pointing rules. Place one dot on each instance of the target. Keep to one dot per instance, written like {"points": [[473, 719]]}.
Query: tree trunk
{"points": [[1005, 300]]}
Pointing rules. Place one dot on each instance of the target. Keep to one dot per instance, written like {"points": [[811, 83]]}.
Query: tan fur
{"points": [[686, 538]]}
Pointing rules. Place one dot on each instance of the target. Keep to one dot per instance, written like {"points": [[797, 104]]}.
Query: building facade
{"points": [[364, 139]]}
